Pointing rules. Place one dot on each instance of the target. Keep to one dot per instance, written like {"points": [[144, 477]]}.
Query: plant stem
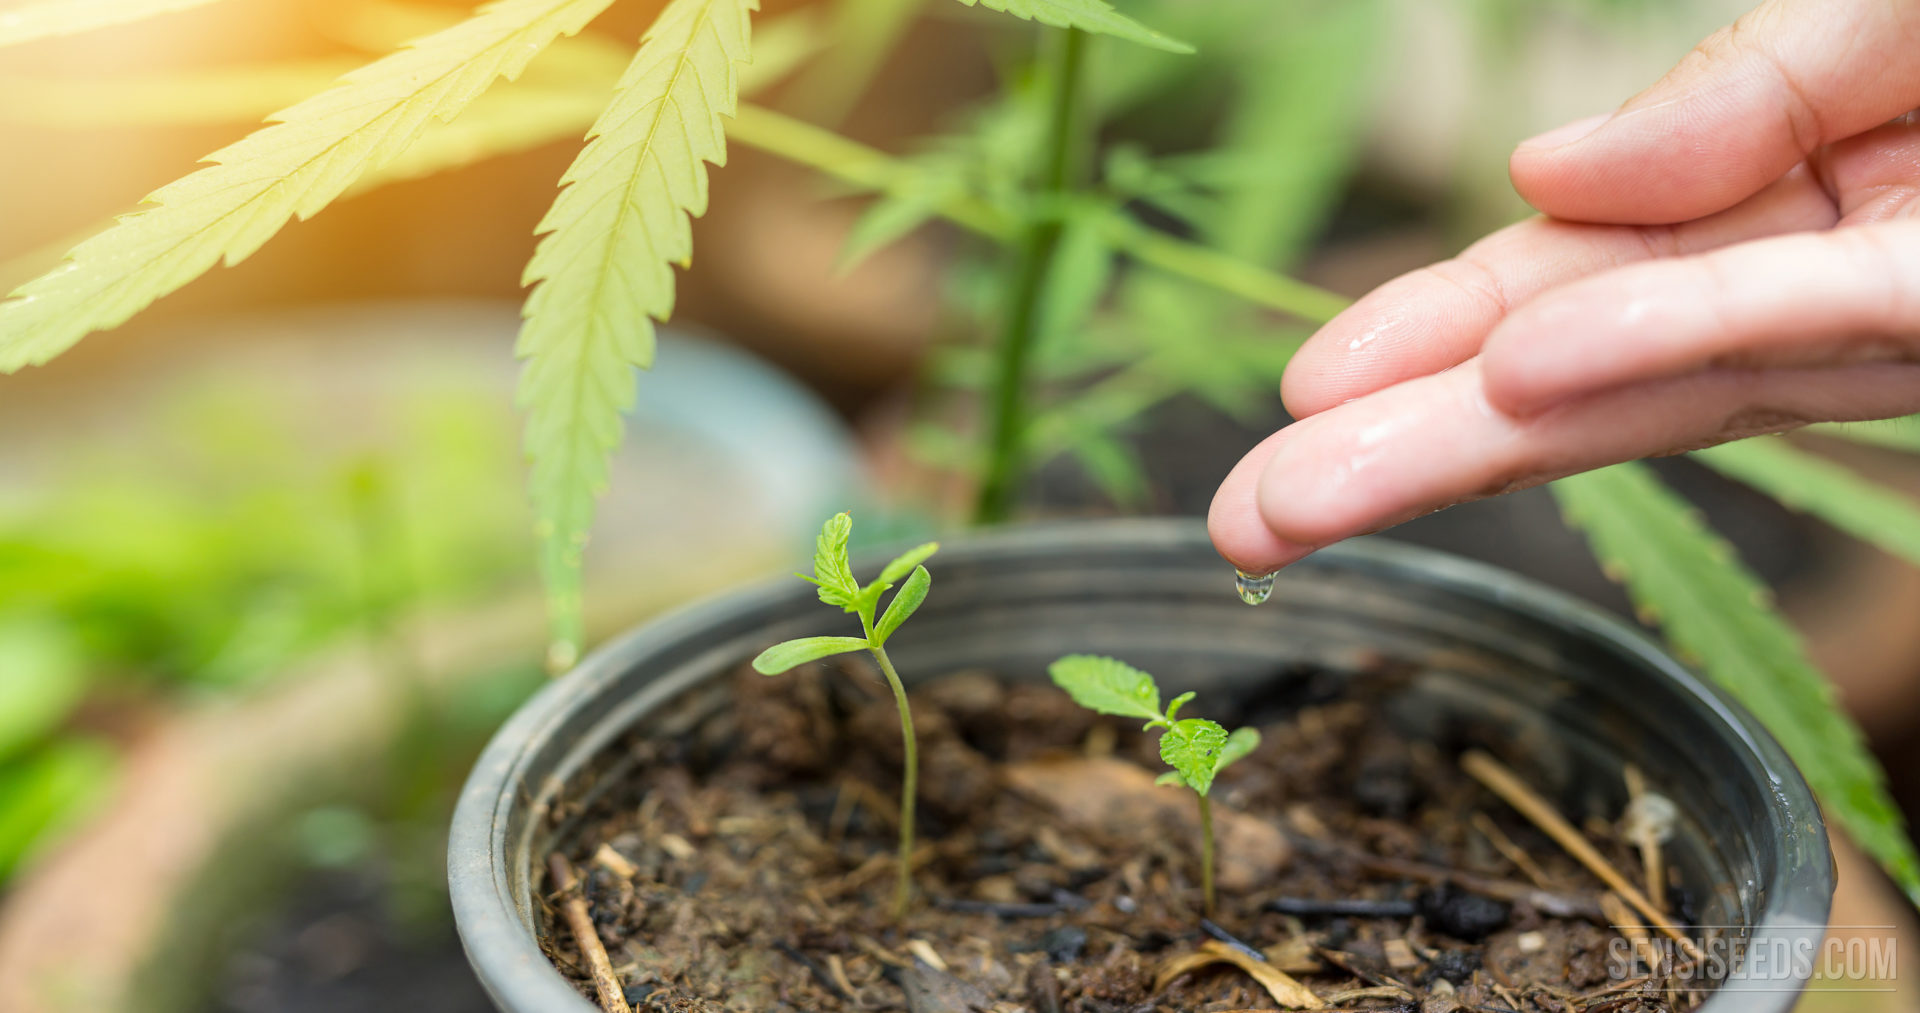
{"points": [[1206, 854], [870, 169], [1001, 483], [910, 780]]}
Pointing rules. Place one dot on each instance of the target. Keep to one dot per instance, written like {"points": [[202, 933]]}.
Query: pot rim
{"points": [[515, 972]]}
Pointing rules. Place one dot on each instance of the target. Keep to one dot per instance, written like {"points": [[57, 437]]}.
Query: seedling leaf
{"points": [[1173, 709], [904, 604], [1107, 685], [1087, 15], [831, 572], [1239, 744], [783, 657], [1193, 747], [1171, 777], [1717, 614], [906, 561]]}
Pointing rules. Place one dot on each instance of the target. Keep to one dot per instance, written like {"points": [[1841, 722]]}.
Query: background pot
{"points": [[1571, 693]]}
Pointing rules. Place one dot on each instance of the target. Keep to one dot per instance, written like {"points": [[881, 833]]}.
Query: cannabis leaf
{"points": [[1095, 16], [831, 571], [1716, 613], [604, 271], [47, 19], [834, 577], [794, 653], [904, 604], [1838, 495], [290, 169], [1107, 685], [1196, 749]]}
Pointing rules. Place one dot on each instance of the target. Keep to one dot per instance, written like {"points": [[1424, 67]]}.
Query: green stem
{"points": [[1206, 854], [1001, 484], [910, 781], [870, 169]]}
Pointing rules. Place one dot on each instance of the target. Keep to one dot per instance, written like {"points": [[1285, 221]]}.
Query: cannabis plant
{"points": [[1197, 749], [1110, 277], [834, 577]]}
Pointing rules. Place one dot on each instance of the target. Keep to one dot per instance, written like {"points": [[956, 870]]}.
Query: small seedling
{"points": [[834, 576], [1196, 749]]}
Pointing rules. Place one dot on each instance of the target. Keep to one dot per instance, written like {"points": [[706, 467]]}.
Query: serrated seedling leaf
{"points": [[1239, 744], [1173, 709], [1193, 747], [906, 561], [794, 653], [831, 572], [904, 604], [1107, 685]]}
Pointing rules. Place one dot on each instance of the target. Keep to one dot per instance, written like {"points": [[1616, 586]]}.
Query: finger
{"points": [[1742, 108], [1432, 442], [1233, 520], [1811, 299], [1875, 176], [1438, 316]]}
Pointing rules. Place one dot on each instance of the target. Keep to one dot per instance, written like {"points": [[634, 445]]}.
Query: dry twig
{"points": [[606, 984], [1506, 784]]}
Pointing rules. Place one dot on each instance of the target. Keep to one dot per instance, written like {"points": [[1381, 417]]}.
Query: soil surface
{"points": [[745, 863]]}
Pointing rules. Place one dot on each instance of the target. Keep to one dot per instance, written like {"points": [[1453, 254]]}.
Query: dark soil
{"points": [[745, 863]]}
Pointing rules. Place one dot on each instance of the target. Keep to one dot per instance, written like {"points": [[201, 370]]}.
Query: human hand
{"points": [[1735, 251]]}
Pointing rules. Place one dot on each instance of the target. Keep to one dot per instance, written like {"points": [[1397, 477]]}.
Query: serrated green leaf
{"points": [[1173, 707], [1094, 16], [831, 571], [1836, 494], [784, 657], [1716, 614], [1192, 747], [1107, 685], [904, 604], [291, 169], [1242, 742], [904, 563], [603, 272], [47, 19]]}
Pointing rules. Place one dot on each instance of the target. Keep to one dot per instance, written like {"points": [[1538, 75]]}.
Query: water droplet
{"points": [[1253, 588]]}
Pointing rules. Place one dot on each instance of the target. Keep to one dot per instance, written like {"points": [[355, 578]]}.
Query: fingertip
{"points": [[1242, 537], [1234, 522]]}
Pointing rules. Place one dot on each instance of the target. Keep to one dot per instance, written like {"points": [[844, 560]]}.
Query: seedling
{"points": [[834, 576], [1196, 749]]}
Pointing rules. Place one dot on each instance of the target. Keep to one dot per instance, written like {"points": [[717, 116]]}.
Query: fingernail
{"points": [[1562, 136]]}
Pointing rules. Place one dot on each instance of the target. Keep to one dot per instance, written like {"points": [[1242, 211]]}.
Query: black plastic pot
{"points": [[1572, 694]]}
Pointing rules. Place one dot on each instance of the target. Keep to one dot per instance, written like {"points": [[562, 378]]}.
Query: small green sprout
{"points": [[1196, 749], [834, 576]]}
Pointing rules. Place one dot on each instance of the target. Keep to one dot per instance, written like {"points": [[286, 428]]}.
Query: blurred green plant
{"points": [[1135, 203], [215, 552]]}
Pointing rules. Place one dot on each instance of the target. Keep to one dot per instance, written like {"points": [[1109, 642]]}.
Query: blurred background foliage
{"points": [[212, 551], [240, 524]]}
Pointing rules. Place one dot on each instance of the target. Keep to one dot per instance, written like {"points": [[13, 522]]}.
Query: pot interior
{"points": [[1563, 695]]}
